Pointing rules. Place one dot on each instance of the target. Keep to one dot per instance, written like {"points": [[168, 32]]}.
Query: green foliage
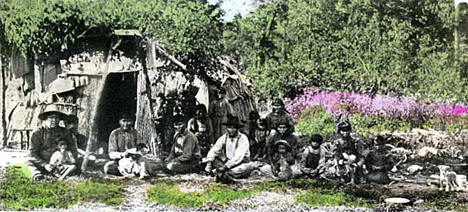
{"points": [[335, 199], [366, 124], [109, 192], [18, 192], [169, 193], [315, 120], [398, 47], [47, 26]]}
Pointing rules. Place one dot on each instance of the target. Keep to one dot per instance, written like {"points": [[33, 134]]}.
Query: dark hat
{"points": [[284, 142], [51, 109], [277, 101], [233, 121], [344, 125], [62, 142], [316, 138], [126, 116], [179, 118]]}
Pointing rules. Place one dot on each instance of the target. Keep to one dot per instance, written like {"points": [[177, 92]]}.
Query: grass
{"points": [[165, 192], [18, 192], [331, 199], [324, 193]]}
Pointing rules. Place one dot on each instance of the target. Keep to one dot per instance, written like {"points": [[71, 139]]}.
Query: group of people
{"points": [[213, 141]]}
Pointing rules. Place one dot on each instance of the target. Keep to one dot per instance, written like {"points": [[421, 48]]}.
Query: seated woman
{"points": [[281, 162], [258, 144]]}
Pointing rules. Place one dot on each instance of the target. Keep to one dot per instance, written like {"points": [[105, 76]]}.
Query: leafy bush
{"points": [[315, 120]]}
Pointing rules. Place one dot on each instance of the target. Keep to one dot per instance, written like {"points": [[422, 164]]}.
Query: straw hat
{"points": [[52, 109]]}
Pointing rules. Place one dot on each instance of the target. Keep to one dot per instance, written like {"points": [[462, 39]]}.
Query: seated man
{"points": [[44, 141], [120, 140], [185, 153], [230, 154], [352, 153]]}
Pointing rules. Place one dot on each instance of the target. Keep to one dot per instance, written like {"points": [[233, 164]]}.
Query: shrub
{"points": [[315, 120]]}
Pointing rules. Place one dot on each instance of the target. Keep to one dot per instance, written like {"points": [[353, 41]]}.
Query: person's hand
{"points": [[208, 168], [49, 167]]}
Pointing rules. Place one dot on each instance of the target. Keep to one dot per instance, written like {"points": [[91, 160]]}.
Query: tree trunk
{"points": [[3, 88]]}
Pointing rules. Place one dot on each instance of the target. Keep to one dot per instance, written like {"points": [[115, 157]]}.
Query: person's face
{"points": [[345, 133], [202, 129], [282, 129], [281, 148], [53, 120], [314, 144], [62, 147], [220, 95], [261, 125], [126, 124], [232, 131], [72, 125], [201, 113], [179, 127], [276, 108]]}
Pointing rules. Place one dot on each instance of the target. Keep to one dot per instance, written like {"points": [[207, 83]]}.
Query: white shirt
{"points": [[232, 150]]}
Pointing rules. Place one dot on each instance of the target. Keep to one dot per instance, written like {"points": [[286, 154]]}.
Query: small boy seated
{"points": [[62, 162], [133, 164], [311, 156]]}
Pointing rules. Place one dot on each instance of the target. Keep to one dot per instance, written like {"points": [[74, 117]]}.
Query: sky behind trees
{"points": [[233, 7]]}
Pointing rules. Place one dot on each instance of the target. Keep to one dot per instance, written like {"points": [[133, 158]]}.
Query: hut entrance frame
{"points": [[119, 97]]}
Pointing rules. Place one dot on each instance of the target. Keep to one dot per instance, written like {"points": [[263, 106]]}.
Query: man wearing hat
{"points": [[278, 114], [230, 154], [185, 153], [120, 140], [45, 139], [352, 152], [218, 111]]}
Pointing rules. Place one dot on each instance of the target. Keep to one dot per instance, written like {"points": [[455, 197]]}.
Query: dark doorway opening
{"points": [[119, 97]]}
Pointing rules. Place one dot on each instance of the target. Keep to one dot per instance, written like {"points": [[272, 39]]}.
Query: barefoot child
{"points": [[133, 164], [311, 156], [62, 162]]}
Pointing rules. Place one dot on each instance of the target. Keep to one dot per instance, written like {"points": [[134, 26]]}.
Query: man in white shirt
{"points": [[231, 153]]}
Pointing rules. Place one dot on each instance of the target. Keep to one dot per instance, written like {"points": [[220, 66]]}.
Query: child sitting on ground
{"points": [[311, 156], [281, 162], [133, 164], [62, 162]]}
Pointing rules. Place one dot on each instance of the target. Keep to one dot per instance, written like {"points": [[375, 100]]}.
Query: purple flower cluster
{"points": [[401, 108]]}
